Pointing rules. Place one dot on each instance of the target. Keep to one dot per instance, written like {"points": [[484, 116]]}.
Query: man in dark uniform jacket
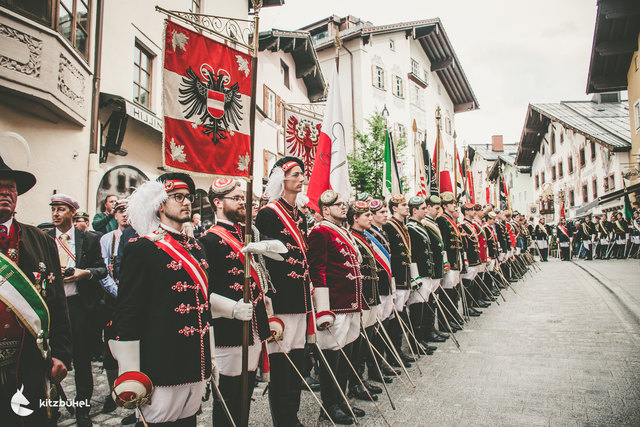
{"points": [[223, 245], [471, 255], [620, 229], [24, 364], [83, 267], [360, 218], [400, 245], [386, 286], [493, 251], [438, 257], [564, 239], [502, 233], [422, 269], [447, 222], [586, 231], [290, 297], [162, 313], [334, 266], [541, 234]]}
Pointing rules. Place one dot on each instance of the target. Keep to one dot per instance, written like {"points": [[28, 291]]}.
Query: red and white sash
{"points": [[177, 252], [290, 225], [564, 231], [66, 249], [343, 236], [235, 244]]}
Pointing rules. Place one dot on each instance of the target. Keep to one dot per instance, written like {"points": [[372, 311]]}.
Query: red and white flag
{"points": [[206, 96], [331, 170], [302, 134]]}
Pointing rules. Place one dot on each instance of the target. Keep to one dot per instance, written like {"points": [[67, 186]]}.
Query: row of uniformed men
{"points": [[600, 238], [375, 283]]}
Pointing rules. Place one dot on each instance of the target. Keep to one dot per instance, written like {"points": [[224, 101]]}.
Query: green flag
{"points": [[392, 184], [628, 212]]}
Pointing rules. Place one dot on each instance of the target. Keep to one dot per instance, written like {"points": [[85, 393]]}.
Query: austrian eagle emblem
{"points": [[213, 100]]}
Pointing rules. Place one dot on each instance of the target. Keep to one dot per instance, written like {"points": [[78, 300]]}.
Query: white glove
{"points": [[127, 353], [518, 250], [268, 248], [268, 306], [501, 257], [243, 310]]}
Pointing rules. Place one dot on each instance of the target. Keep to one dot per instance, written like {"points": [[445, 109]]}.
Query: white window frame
{"points": [[398, 86], [378, 77], [271, 104], [415, 67], [392, 45]]}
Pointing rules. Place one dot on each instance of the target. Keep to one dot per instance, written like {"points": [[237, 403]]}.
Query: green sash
{"points": [[19, 294]]}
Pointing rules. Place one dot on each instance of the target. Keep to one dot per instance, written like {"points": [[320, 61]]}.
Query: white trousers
{"points": [[346, 328], [229, 359], [451, 279], [386, 307], [174, 403], [295, 333], [421, 294], [402, 295], [369, 317]]}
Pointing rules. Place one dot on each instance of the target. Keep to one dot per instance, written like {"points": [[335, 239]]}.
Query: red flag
{"points": [[445, 182], [206, 96], [562, 214], [487, 195], [330, 170], [470, 187]]}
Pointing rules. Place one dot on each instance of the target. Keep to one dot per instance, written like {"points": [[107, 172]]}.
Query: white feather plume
{"points": [[275, 185], [143, 207], [301, 200]]}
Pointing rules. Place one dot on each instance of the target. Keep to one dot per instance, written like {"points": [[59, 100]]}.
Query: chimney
{"points": [[496, 143]]}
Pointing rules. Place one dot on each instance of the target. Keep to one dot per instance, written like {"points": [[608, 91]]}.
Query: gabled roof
{"points": [[485, 151], [615, 39], [605, 123], [496, 167], [298, 44], [433, 39]]}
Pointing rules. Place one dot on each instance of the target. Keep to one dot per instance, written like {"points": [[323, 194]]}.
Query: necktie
{"points": [[64, 256]]}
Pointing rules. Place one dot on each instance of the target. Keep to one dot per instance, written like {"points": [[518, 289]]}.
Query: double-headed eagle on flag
{"points": [[214, 100]]}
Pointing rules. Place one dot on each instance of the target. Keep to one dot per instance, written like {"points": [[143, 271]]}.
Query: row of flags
{"points": [[207, 89]]}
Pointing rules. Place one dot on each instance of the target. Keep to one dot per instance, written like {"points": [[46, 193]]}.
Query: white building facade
{"points": [[577, 152], [49, 51], [401, 67]]}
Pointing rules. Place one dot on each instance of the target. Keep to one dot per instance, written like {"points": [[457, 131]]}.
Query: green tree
{"points": [[366, 163]]}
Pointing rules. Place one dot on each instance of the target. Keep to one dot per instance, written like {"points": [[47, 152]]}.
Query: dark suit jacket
{"points": [[88, 257]]}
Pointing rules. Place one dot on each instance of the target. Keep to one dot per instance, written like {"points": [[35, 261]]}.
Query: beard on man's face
{"points": [[235, 215], [180, 219]]}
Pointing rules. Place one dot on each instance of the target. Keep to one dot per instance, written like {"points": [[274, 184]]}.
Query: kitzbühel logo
{"points": [[19, 403]]}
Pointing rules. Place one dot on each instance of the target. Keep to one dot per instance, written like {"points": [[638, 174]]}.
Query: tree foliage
{"points": [[366, 163]]}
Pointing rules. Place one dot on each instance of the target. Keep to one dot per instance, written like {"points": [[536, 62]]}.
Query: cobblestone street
{"points": [[563, 351]]}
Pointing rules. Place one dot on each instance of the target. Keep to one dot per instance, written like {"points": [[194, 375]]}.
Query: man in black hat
{"points": [[27, 359], [162, 316], [541, 233], [82, 268]]}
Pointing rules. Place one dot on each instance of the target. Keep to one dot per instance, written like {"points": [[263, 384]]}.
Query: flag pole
{"points": [[437, 148], [455, 168], [414, 128], [246, 292]]}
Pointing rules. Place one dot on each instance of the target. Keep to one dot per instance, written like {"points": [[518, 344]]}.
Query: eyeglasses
{"points": [[181, 197], [340, 205], [235, 198]]}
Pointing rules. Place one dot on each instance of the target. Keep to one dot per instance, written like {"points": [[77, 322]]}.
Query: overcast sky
{"points": [[514, 52]]}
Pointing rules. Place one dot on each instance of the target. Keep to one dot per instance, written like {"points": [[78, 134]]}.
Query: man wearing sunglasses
{"points": [[162, 316]]}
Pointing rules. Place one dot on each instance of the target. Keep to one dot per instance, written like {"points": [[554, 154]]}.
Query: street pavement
{"points": [[563, 351]]}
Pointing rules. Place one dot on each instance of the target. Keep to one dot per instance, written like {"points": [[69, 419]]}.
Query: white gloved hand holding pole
{"points": [[269, 248]]}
